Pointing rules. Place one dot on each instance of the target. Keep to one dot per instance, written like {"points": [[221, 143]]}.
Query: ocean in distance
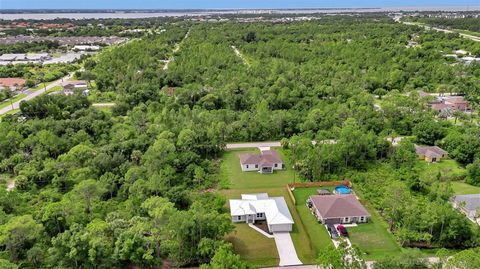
{"points": [[49, 15]]}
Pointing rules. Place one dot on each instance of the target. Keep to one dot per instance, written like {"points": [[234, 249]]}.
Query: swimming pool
{"points": [[342, 190]]}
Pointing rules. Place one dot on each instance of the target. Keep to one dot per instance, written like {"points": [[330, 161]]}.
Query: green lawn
{"points": [[15, 99], [447, 167], [464, 188], [373, 238], [316, 232], [237, 179], [253, 246]]}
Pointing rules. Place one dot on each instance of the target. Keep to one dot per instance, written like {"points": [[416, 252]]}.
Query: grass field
{"points": [[464, 188], [373, 238], [252, 246], [237, 179], [447, 167], [317, 233]]}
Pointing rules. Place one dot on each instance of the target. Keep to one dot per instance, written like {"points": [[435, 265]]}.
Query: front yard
{"points": [[448, 168], [373, 238]]}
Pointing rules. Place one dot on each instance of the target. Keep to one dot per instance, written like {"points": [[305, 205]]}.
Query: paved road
{"points": [[471, 37], [270, 144], [295, 267], [32, 94], [103, 104], [254, 145], [286, 249]]}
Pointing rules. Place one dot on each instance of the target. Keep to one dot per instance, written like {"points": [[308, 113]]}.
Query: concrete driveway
{"points": [[286, 250]]}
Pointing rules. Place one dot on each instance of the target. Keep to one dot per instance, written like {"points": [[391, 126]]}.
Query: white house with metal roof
{"points": [[261, 207]]}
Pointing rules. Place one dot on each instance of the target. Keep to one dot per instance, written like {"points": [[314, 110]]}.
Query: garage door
{"points": [[281, 228]]}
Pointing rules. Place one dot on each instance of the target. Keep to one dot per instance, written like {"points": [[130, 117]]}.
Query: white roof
{"points": [[86, 47], [461, 52], [275, 208]]}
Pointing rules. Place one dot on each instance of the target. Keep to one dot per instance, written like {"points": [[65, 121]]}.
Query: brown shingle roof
{"points": [[266, 158], [10, 82], [338, 206], [430, 151]]}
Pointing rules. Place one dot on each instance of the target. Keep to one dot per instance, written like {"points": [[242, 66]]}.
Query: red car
{"points": [[342, 230]]}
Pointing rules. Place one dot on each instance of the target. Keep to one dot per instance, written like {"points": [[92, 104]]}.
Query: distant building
{"points": [[21, 57], [86, 48], [455, 103], [431, 154], [13, 84], [71, 87]]}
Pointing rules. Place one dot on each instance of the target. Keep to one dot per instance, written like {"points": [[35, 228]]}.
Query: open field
{"points": [[449, 168], [464, 188], [253, 246], [374, 239], [317, 233]]}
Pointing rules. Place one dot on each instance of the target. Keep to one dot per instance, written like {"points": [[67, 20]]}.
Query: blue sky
{"points": [[179, 4]]}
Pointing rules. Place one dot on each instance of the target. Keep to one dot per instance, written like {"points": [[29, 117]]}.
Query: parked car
{"points": [[342, 230], [332, 231]]}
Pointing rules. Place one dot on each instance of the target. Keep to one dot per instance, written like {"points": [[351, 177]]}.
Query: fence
{"points": [[291, 186]]}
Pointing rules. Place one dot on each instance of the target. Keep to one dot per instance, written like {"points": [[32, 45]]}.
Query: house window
{"points": [[239, 217], [347, 219], [276, 165], [362, 219], [259, 215], [256, 166], [247, 165]]}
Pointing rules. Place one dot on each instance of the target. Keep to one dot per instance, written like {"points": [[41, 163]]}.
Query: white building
{"points": [[260, 207], [86, 48]]}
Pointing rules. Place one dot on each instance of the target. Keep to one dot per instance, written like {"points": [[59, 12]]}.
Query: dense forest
{"points": [[136, 187]]}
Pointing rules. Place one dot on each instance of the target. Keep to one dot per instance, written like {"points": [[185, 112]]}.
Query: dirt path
{"points": [[11, 185], [240, 55], [175, 50]]}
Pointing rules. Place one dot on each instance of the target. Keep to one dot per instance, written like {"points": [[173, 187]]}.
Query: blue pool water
{"points": [[342, 190]]}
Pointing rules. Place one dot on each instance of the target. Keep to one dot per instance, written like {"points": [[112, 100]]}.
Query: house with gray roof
{"points": [[338, 209], [265, 162], [469, 204]]}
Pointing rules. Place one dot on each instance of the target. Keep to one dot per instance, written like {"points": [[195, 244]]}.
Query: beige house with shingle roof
{"points": [[430, 154], [338, 209]]}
